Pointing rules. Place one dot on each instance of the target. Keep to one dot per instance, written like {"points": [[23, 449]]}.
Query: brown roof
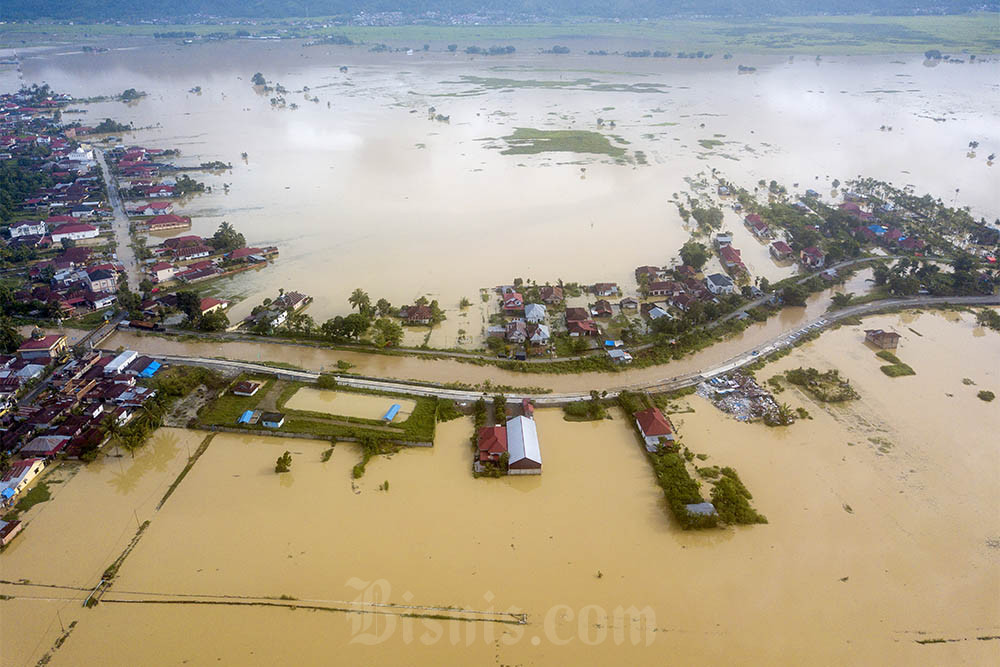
{"points": [[576, 314]]}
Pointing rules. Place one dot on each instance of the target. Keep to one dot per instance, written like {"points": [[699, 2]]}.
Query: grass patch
{"points": [[710, 143], [896, 368], [828, 387], [528, 141], [39, 493], [584, 411], [732, 500]]}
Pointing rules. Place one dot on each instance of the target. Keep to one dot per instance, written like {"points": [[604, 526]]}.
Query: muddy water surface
{"points": [[865, 502], [348, 403], [360, 188]]}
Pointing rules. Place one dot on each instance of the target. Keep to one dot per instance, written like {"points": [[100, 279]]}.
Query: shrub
{"points": [[986, 396], [284, 463]]}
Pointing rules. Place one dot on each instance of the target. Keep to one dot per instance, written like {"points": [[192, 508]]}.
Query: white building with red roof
{"points": [[76, 231], [653, 426]]}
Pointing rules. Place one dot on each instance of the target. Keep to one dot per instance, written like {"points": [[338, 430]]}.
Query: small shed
{"points": [[701, 509], [272, 419], [391, 412], [886, 340]]}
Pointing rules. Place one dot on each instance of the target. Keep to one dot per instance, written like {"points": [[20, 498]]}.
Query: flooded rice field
{"points": [[349, 404], [866, 501], [359, 187]]}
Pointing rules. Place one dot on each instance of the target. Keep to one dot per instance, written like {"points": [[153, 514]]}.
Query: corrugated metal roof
{"points": [[522, 440]]}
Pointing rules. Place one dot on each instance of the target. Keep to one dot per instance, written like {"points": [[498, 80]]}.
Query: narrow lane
{"points": [[120, 226]]}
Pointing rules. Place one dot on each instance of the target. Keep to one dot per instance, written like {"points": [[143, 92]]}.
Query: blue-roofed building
{"points": [[878, 230], [150, 370], [391, 413], [245, 417]]}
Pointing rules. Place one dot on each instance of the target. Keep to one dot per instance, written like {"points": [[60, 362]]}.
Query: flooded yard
{"points": [[848, 567], [349, 404]]}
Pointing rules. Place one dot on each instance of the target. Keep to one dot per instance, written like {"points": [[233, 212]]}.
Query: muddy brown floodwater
{"points": [[867, 502], [349, 404], [361, 189]]}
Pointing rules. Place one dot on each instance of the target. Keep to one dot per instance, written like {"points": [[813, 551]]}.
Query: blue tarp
{"points": [[245, 417], [7, 493], [391, 414], [878, 229], [149, 370]]}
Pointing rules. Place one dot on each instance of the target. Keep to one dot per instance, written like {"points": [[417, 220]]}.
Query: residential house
{"points": [[26, 228], [686, 272], [649, 274], [192, 252], [654, 428], [760, 229], [730, 257], [155, 208], [492, 443], [417, 314], [620, 356], [513, 302], [576, 314], [99, 300], [664, 288], [161, 223], [653, 311], [8, 530], [74, 232], [812, 257], [45, 446], [601, 309], [211, 304], [538, 334], [523, 447], [516, 331], [582, 328], [781, 250], [605, 289], [162, 271], [18, 476], [886, 340], [534, 312], [629, 303], [551, 295], [722, 239], [102, 280], [719, 283], [44, 348]]}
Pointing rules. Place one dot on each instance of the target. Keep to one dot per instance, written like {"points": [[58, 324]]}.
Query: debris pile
{"points": [[739, 394]]}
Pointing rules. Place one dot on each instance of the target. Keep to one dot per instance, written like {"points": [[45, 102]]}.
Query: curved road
{"points": [[668, 384]]}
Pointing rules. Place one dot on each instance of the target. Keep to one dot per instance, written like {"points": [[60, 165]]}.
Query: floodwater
{"points": [[867, 502], [451, 370], [361, 189], [69, 540], [348, 403]]}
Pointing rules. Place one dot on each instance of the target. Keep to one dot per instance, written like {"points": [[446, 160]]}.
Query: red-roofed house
{"points": [[812, 257], [43, 349], [653, 426], [781, 250], [730, 256], [75, 231], [513, 302], [161, 223], [492, 443], [162, 271], [210, 304]]}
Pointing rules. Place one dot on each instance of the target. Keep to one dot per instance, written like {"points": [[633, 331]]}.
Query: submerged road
{"points": [[121, 224], [744, 358]]}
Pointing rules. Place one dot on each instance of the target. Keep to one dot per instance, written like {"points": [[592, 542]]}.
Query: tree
{"points": [[841, 299], [708, 218], [383, 307], [216, 320], [359, 299], [284, 462], [694, 254], [227, 239], [794, 295], [189, 303], [258, 79], [881, 274], [500, 409], [10, 337], [355, 325], [146, 286], [387, 332], [989, 318]]}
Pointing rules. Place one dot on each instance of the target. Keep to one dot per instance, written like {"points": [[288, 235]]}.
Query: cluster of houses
{"points": [[277, 311], [680, 288], [71, 414], [77, 280], [190, 259], [870, 229], [516, 440]]}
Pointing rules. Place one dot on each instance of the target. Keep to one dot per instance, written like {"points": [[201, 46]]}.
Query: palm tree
{"points": [[359, 299]]}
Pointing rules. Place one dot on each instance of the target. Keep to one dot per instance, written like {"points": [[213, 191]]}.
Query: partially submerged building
{"points": [[523, 447]]}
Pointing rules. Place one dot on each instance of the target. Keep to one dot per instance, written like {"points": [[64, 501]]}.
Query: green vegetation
{"points": [[710, 143], [446, 410], [39, 493], [284, 462], [680, 490], [327, 453], [832, 34], [985, 395], [732, 500], [990, 318], [371, 446], [896, 367], [579, 411], [527, 141], [828, 386], [694, 254]]}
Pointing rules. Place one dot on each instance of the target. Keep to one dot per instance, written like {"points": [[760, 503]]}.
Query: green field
{"points": [[528, 141], [979, 33]]}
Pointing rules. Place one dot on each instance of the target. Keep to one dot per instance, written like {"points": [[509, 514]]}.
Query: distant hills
{"points": [[499, 10]]}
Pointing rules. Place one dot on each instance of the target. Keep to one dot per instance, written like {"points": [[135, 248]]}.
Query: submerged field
{"points": [[865, 499]]}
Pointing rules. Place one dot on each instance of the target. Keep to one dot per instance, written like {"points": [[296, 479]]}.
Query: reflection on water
{"points": [[161, 448]]}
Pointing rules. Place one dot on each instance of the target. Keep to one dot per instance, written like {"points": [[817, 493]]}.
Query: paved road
{"points": [[667, 384], [120, 225]]}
